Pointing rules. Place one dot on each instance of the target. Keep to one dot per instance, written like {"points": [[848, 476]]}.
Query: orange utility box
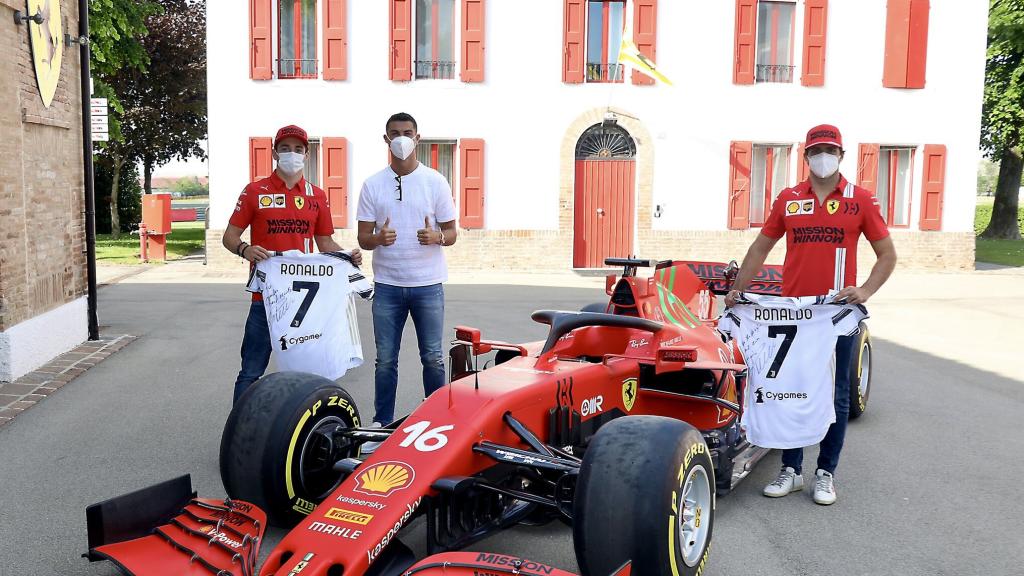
{"points": [[156, 225]]}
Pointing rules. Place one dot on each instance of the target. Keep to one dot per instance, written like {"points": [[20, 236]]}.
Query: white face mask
{"points": [[291, 162], [402, 147], [823, 165]]}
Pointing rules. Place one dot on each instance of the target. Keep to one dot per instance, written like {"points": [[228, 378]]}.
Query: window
{"points": [[769, 174], [296, 41], [605, 24], [895, 167], [435, 39], [775, 25], [312, 168], [439, 155]]}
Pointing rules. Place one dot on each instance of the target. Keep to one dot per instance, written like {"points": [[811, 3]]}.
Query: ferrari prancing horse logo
{"points": [[300, 202], [47, 43], [832, 206], [629, 393]]}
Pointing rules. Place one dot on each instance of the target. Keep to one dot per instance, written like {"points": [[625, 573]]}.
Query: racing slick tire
{"points": [[277, 450], [860, 373], [646, 494]]}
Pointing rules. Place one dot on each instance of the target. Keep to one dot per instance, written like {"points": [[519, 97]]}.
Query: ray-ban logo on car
{"points": [[349, 516], [385, 479]]}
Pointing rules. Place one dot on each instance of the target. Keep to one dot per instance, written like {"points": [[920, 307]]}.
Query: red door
{"points": [[604, 205]]}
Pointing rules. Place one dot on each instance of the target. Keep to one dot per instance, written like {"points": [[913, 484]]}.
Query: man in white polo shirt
{"points": [[406, 215]]}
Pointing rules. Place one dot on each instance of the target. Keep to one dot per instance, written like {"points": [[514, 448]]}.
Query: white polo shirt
{"points": [[425, 194]]}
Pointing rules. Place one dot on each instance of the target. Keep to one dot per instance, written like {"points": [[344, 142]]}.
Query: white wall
{"points": [[523, 108], [34, 342]]}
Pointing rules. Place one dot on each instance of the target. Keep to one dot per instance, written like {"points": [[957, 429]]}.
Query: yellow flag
{"points": [[630, 55]]}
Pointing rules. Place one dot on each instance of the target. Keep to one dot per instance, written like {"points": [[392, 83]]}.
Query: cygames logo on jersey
{"points": [[286, 341], [761, 395]]}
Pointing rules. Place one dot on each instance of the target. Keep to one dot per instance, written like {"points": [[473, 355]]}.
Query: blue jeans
{"points": [[832, 444], [255, 349], [391, 306]]}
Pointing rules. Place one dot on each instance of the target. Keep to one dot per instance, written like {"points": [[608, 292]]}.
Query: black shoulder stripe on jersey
{"points": [[735, 319], [842, 314], [365, 293], [356, 277], [252, 272], [341, 256]]}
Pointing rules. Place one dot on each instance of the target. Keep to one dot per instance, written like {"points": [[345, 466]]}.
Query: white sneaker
{"points": [[371, 447], [788, 481], [824, 488]]}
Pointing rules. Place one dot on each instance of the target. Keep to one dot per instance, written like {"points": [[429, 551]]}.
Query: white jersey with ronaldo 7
{"points": [[310, 305], [789, 345]]}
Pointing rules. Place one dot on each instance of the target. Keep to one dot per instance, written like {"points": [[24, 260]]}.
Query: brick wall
{"points": [[42, 229]]}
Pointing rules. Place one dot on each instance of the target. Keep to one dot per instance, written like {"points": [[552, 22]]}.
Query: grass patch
{"points": [[185, 238], [1005, 252]]}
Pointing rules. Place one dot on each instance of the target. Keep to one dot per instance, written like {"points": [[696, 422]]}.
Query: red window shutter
{"points": [[471, 182], [917, 44], [473, 24], [801, 166], [261, 160], [815, 24], [906, 44], [746, 36], [740, 156], [933, 187], [335, 40], [574, 26], [401, 40], [867, 167], [335, 178], [645, 35], [260, 58]]}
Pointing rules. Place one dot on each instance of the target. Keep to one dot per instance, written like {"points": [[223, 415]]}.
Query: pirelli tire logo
{"points": [[349, 516]]}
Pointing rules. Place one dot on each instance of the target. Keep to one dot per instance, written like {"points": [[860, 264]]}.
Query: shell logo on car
{"points": [[385, 478]]}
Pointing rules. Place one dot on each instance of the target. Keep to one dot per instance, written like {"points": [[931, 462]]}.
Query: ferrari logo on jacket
{"points": [[300, 202], [832, 206]]}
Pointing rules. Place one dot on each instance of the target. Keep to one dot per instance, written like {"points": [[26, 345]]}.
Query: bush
{"points": [[129, 195], [189, 188]]}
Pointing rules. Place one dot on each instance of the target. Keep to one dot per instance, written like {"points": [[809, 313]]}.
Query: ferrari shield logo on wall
{"points": [[47, 43], [832, 206], [300, 202]]}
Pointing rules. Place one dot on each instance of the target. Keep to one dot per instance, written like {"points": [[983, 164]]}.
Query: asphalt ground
{"points": [[928, 483]]}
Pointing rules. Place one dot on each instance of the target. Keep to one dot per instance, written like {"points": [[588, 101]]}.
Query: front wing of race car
{"points": [[165, 530]]}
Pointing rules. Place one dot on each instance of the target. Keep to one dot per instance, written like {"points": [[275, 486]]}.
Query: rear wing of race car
{"points": [[718, 277]]}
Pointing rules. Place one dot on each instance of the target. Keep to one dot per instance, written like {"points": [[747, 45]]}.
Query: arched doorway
{"points": [[604, 205]]}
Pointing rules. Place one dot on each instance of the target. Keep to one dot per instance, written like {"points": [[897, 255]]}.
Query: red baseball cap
{"points": [[291, 131], [824, 134]]}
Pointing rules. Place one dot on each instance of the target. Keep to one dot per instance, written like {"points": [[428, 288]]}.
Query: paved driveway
{"points": [[928, 483]]}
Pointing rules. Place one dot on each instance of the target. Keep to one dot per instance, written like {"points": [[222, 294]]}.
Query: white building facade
{"points": [[557, 158]]}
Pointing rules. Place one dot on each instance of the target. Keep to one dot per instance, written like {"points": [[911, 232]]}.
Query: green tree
{"points": [[190, 187], [1002, 127], [115, 30], [129, 202]]}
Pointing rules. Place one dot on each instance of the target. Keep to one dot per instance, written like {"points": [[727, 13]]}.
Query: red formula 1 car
{"points": [[623, 423]]}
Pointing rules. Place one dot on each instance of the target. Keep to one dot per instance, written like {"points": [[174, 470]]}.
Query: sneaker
{"points": [[788, 481], [824, 488], [371, 447]]}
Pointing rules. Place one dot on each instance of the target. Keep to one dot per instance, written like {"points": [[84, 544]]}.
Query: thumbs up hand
{"points": [[386, 235], [427, 234]]}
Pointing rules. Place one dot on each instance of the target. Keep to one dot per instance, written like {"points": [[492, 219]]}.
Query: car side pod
{"points": [[473, 563], [164, 530]]}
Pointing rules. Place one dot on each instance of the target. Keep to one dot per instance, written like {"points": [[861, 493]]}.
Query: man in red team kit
{"points": [[283, 212], [822, 219]]}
